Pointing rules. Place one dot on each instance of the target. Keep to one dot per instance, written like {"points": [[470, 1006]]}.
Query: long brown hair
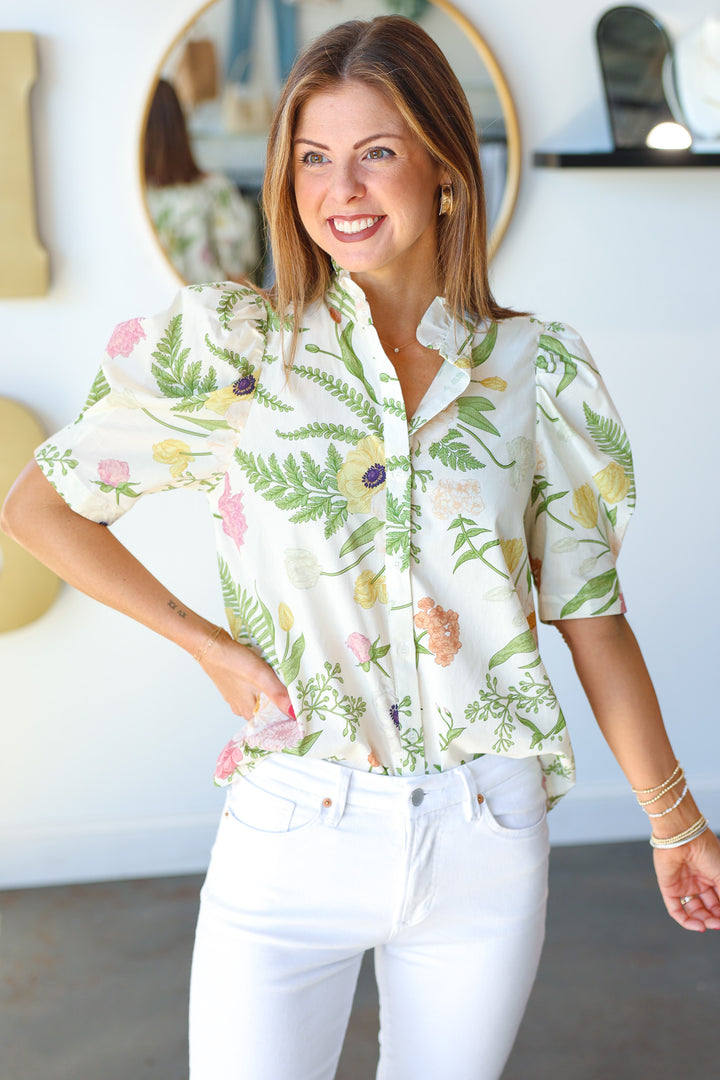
{"points": [[396, 56], [168, 156]]}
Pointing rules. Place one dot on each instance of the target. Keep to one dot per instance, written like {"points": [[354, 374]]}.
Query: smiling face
{"points": [[366, 188]]}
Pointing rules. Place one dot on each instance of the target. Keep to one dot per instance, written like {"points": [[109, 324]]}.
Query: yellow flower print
{"points": [[362, 474], [612, 483], [512, 551], [234, 622], [494, 382], [369, 588], [175, 453], [286, 618], [220, 400], [586, 507]]}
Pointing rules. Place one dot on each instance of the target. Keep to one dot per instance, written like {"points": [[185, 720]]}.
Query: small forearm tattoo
{"points": [[178, 610]]}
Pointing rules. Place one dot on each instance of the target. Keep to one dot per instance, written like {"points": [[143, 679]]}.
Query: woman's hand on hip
{"points": [[241, 676]]}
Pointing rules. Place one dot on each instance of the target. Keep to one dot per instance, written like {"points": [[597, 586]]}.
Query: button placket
{"points": [[397, 564], [398, 576]]}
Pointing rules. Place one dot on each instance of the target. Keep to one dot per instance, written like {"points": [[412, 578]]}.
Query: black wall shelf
{"points": [[618, 159]]}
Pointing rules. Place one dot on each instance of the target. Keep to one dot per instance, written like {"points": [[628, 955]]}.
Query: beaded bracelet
{"points": [[658, 787], [684, 837], [662, 813], [666, 787], [212, 638]]}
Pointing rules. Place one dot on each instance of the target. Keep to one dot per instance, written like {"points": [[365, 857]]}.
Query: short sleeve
{"points": [[167, 407], [583, 491]]}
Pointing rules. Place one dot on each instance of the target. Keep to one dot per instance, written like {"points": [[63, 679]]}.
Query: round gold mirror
{"points": [[204, 134]]}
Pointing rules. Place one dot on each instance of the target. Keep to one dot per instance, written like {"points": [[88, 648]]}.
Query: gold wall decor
{"points": [[27, 588], [23, 260]]}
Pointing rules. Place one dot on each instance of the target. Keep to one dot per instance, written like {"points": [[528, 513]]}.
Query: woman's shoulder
{"points": [[533, 328], [216, 181], [225, 307], [221, 321], [552, 346]]}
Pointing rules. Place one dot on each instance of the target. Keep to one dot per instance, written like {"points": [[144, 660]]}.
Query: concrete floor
{"points": [[93, 982]]}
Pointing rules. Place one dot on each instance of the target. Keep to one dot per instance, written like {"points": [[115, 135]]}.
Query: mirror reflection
{"points": [[206, 126]]}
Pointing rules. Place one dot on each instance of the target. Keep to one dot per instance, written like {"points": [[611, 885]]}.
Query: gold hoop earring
{"points": [[446, 200]]}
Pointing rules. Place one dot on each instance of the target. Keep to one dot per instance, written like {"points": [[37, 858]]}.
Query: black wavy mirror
{"points": [[633, 47]]}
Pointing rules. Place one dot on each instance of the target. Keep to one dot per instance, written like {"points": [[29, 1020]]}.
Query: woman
{"points": [[380, 500], [207, 229]]}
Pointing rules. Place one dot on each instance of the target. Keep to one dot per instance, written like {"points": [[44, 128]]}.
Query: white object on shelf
{"points": [[696, 67]]}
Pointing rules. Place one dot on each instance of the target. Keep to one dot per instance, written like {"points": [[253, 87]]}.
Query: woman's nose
{"points": [[347, 182]]}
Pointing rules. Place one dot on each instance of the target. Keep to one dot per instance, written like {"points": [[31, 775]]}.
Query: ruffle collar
{"points": [[437, 329]]}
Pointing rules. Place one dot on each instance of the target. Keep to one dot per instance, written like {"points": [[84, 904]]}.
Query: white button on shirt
{"points": [[383, 568]]}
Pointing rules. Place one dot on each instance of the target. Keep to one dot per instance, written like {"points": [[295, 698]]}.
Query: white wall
{"points": [[109, 734]]}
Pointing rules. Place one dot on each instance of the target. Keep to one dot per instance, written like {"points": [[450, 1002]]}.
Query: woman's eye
{"points": [[313, 157], [379, 152]]}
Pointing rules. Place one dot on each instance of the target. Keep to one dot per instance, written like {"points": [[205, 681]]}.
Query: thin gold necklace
{"points": [[399, 347]]}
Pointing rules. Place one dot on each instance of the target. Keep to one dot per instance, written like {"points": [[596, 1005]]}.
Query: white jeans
{"points": [[444, 875]]}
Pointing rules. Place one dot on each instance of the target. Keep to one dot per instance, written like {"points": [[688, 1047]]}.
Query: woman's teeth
{"points": [[356, 226]]}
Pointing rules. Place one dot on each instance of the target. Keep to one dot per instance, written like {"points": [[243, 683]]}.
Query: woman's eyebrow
{"points": [[357, 145]]}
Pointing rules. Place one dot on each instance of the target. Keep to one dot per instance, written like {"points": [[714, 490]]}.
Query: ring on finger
{"points": [[686, 899]]}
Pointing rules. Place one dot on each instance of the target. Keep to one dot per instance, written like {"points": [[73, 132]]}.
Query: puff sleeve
{"points": [[167, 407], [583, 491]]}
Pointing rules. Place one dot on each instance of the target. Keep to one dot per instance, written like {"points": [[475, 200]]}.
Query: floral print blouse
{"points": [[207, 229], [383, 567]]}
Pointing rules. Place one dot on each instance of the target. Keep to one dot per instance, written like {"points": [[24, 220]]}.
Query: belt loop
{"points": [[337, 809], [471, 802]]}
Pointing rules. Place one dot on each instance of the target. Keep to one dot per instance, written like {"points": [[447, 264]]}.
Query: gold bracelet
{"points": [[652, 790], [212, 638], [681, 838], [667, 787]]}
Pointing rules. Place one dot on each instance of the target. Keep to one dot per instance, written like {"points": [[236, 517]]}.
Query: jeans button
{"points": [[417, 796]]}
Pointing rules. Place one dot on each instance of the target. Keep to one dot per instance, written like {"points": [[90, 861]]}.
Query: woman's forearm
{"points": [[88, 556], [93, 560], [613, 674]]}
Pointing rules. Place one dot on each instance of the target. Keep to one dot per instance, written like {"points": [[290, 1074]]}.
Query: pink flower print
{"points": [[230, 758], [125, 337], [112, 472], [233, 518], [276, 736], [359, 646]]}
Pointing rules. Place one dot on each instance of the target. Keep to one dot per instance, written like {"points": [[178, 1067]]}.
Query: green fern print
{"points": [[308, 489]]}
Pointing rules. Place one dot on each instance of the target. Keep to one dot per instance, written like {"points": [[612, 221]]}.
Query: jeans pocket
{"points": [[516, 807], [516, 823], [265, 811]]}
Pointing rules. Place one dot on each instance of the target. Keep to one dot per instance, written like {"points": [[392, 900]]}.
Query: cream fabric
{"points": [[207, 229], [383, 568]]}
